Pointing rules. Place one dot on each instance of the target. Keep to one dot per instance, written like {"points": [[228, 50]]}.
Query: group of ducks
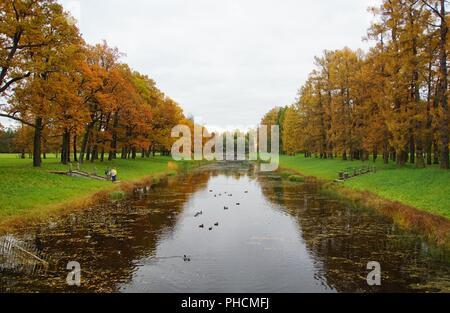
{"points": [[225, 208], [227, 194], [211, 228], [203, 225], [199, 213]]}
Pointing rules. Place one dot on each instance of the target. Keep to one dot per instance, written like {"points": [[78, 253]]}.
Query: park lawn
{"points": [[25, 189], [425, 189]]}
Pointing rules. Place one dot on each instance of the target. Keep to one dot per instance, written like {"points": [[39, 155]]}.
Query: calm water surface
{"points": [[276, 236]]}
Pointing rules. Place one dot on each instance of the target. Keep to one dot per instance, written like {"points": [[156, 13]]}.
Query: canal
{"points": [[225, 228]]}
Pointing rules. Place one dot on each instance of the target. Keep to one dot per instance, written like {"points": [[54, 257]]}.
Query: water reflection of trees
{"points": [[342, 239], [236, 169], [106, 239]]}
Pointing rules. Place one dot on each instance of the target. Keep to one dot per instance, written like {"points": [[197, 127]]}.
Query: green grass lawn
{"points": [[426, 189], [25, 189]]}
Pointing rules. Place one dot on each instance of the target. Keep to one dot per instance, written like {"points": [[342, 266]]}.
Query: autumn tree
{"points": [[439, 13], [36, 36], [293, 139], [391, 100], [274, 117]]}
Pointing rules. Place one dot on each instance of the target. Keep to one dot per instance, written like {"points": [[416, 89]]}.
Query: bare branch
{"points": [[12, 81], [18, 119], [433, 9]]}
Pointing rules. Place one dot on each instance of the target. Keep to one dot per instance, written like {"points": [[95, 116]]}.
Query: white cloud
{"points": [[226, 61]]}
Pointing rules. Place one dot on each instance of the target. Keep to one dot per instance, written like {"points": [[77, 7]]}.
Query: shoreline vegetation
{"points": [[408, 195], [414, 199], [33, 194], [389, 103]]}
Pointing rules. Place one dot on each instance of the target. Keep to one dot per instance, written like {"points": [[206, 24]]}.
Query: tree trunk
{"points": [[75, 156], [412, 150], [444, 122], [429, 126], [435, 152], [94, 155], [113, 147], [88, 153], [420, 161], [84, 143], [63, 151], [429, 151], [385, 151], [393, 156], [416, 142], [401, 157], [67, 147], [386, 157], [37, 142]]}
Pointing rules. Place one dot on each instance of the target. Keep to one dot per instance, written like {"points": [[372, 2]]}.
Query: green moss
{"points": [[117, 195], [296, 178], [285, 175]]}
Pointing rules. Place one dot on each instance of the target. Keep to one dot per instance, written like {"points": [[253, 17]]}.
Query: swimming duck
{"points": [[202, 226], [225, 208], [216, 224], [238, 203], [210, 228]]}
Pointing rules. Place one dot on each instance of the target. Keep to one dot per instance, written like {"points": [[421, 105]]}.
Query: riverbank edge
{"points": [[11, 224], [434, 227]]}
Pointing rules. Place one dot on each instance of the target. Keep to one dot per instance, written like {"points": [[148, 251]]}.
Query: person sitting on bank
{"points": [[108, 173], [114, 175]]}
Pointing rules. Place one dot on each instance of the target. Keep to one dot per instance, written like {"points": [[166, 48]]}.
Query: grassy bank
{"points": [[26, 190], [425, 189]]}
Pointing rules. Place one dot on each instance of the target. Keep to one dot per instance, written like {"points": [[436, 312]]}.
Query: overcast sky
{"points": [[226, 62]]}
